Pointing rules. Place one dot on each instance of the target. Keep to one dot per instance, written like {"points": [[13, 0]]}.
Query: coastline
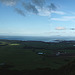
{"points": [[38, 38]]}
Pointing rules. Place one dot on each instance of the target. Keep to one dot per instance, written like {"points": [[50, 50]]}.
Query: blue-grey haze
{"points": [[38, 38]]}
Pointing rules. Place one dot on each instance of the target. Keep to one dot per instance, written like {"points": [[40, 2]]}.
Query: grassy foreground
{"points": [[23, 55]]}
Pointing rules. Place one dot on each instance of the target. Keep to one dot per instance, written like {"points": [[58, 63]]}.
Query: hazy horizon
{"points": [[38, 38]]}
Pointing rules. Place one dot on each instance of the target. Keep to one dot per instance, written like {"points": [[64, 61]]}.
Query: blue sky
{"points": [[37, 17]]}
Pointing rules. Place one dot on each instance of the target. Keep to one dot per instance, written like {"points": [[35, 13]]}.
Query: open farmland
{"points": [[25, 54]]}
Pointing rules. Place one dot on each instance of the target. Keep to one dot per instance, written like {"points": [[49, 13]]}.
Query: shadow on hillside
{"points": [[68, 69]]}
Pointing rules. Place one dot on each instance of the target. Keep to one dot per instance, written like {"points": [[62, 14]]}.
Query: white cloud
{"points": [[9, 2], [59, 12], [38, 7], [60, 28], [44, 12], [64, 18]]}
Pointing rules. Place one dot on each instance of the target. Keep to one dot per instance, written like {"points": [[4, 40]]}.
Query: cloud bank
{"points": [[37, 7]]}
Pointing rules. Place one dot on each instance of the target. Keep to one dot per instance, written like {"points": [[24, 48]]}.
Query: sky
{"points": [[37, 17]]}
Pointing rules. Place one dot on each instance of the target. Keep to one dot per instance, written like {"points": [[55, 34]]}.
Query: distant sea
{"points": [[38, 38]]}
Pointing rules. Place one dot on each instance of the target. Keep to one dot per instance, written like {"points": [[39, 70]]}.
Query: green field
{"points": [[24, 54]]}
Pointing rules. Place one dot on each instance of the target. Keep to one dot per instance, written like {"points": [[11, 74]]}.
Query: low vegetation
{"points": [[24, 55]]}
